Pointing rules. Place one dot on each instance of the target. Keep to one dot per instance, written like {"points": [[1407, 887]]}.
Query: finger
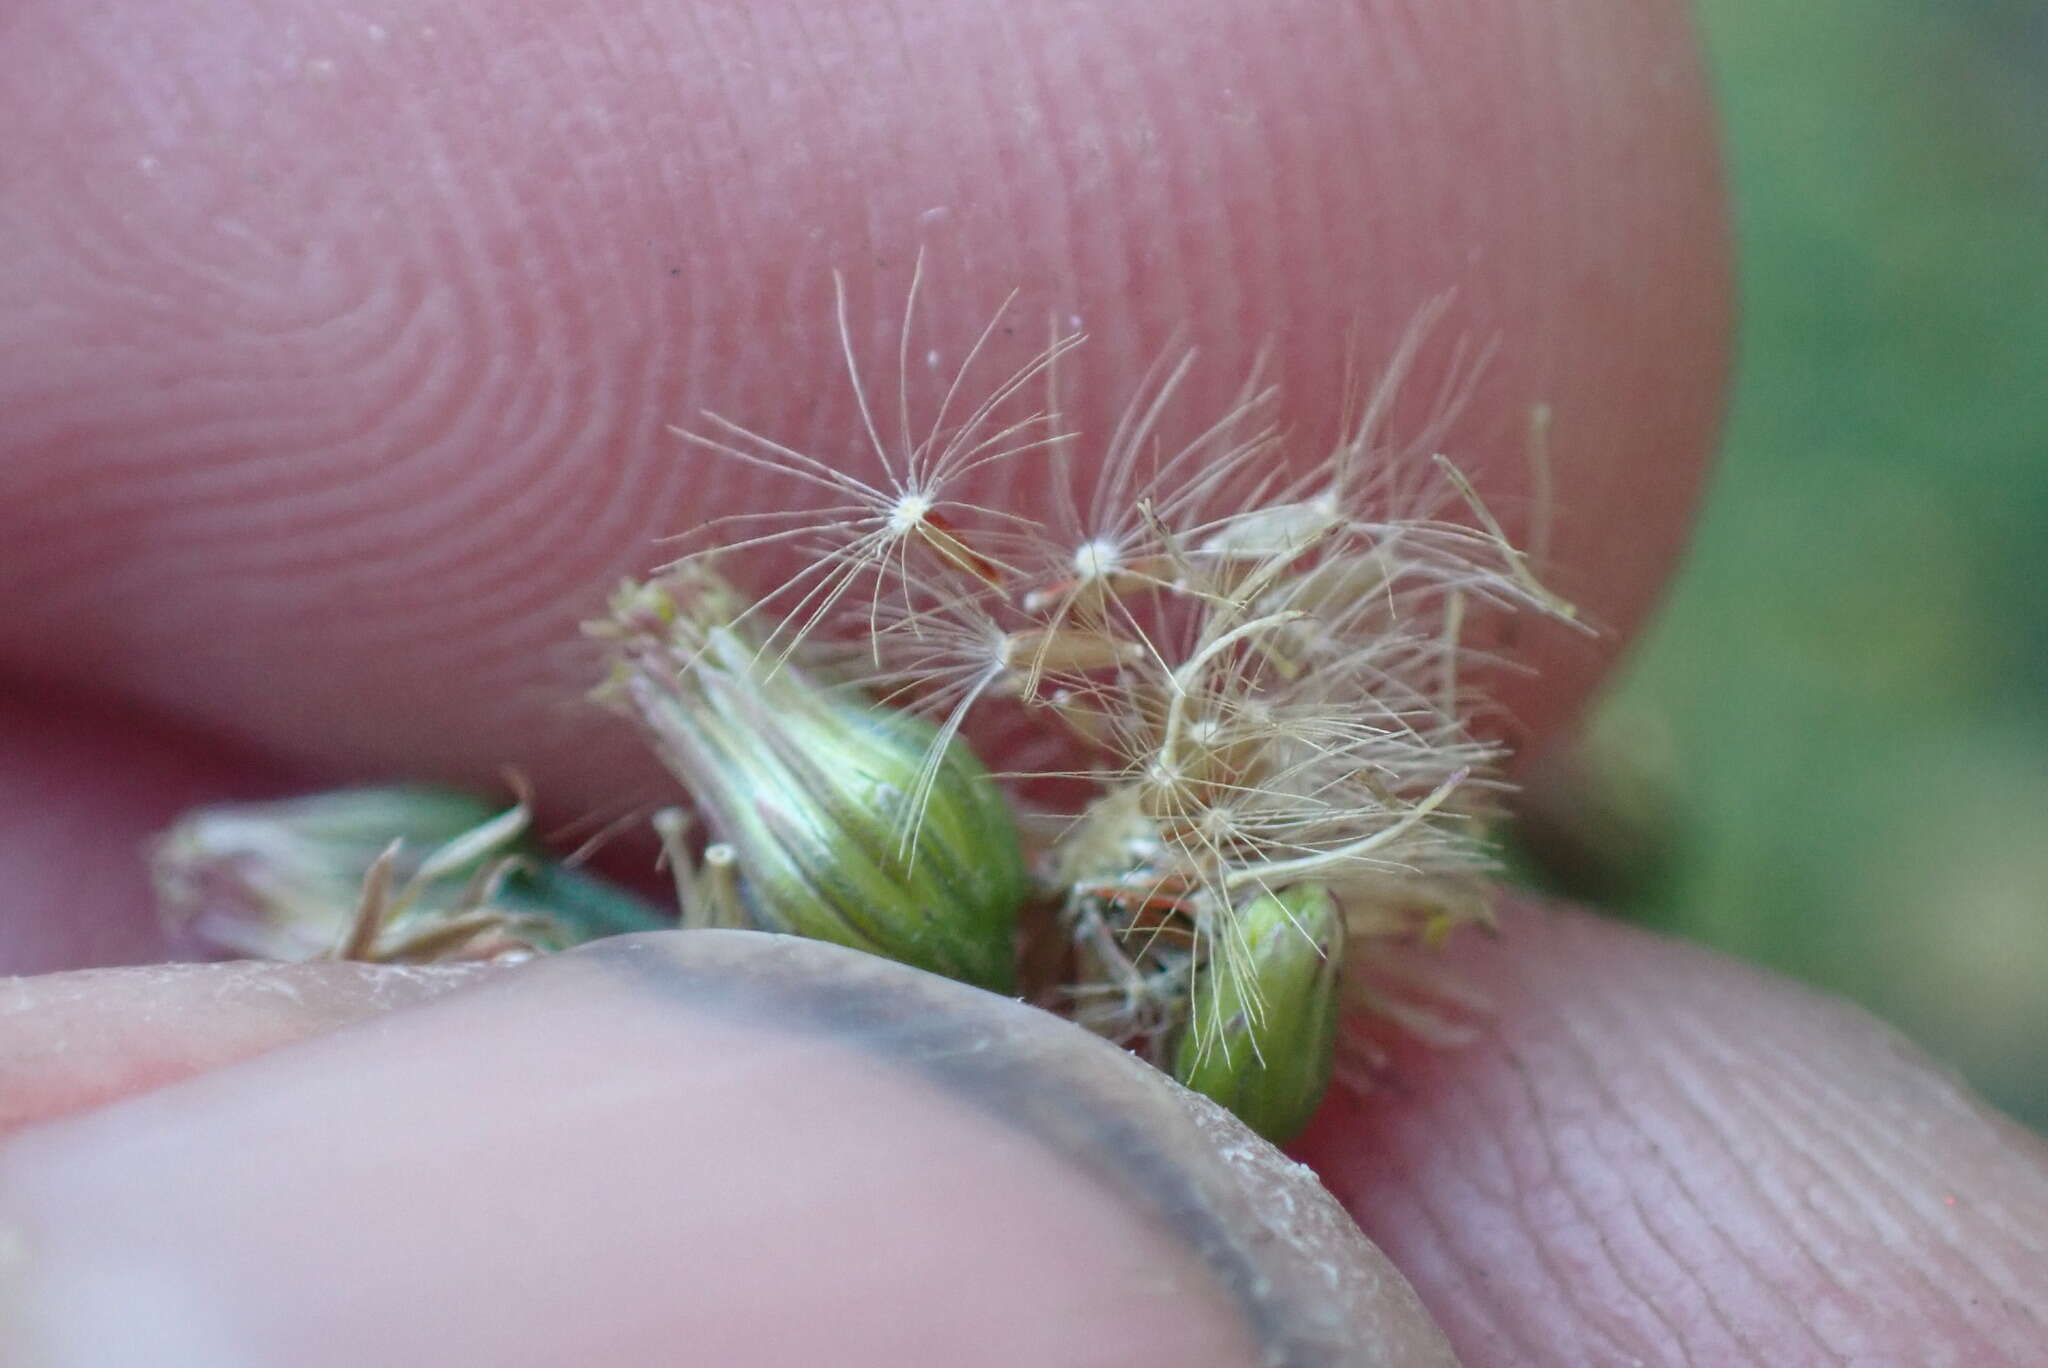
{"points": [[83, 787], [327, 443], [1660, 1157], [78, 1040], [726, 1147]]}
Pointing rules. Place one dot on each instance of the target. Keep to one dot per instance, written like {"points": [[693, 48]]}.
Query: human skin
{"points": [[339, 350]]}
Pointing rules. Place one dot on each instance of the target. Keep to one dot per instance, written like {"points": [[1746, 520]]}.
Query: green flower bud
{"points": [[1263, 1029], [408, 872], [846, 822]]}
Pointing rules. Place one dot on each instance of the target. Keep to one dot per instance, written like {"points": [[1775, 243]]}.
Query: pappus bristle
{"points": [[943, 651], [1088, 560], [914, 513]]}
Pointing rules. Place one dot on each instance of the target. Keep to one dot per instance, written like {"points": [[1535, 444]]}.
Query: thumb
{"points": [[711, 1147]]}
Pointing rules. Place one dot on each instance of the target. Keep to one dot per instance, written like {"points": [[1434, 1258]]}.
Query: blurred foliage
{"points": [[1831, 753]]}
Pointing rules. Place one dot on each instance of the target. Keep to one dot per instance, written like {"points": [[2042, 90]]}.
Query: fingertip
{"points": [[85, 785], [752, 1150], [1656, 1152], [388, 419], [82, 1039]]}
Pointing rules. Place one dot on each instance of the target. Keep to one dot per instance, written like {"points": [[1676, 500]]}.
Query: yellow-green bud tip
{"points": [[1263, 1030]]}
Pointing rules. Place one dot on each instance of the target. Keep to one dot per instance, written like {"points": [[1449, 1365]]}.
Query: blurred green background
{"points": [[1831, 753]]}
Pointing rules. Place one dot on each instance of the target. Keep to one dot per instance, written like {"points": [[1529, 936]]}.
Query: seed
{"points": [[1263, 1032]]}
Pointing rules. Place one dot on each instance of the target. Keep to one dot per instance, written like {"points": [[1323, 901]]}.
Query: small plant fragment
{"points": [[1265, 665], [395, 874]]}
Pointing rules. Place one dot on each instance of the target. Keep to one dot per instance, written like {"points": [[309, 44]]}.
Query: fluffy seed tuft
{"points": [[1268, 672]]}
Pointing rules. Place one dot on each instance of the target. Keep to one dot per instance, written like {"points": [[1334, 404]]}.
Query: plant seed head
{"points": [[846, 822]]}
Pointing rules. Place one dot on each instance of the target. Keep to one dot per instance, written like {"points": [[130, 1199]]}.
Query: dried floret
{"points": [[395, 874]]}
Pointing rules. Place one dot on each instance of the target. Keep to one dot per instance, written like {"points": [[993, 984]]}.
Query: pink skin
{"points": [[340, 344], [205, 1188]]}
